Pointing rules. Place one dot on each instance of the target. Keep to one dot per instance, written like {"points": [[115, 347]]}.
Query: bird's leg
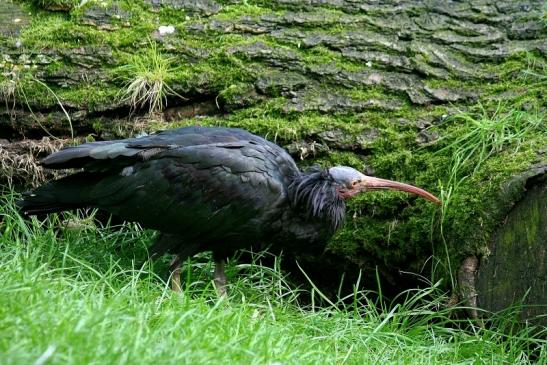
{"points": [[220, 278], [174, 266]]}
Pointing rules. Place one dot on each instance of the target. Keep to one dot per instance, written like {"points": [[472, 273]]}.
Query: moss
{"points": [[517, 78], [219, 72], [232, 11], [341, 158], [33, 94], [90, 96], [168, 15], [321, 55], [391, 230], [57, 30]]}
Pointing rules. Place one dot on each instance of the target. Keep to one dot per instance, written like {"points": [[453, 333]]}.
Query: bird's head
{"points": [[350, 182]]}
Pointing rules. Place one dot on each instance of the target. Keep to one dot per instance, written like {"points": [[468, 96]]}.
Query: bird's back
{"points": [[217, 185]]}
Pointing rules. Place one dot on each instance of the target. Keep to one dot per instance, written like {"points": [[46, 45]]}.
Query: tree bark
{"points": [[377, 85]]}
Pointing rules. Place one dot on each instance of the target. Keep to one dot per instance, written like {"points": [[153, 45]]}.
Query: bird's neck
{"points": [[314, 194]]}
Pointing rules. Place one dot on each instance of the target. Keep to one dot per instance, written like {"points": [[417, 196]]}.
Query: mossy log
{"points": [[515, 271], [402, 90]]}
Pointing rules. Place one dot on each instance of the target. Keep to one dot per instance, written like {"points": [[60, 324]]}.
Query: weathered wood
{"points": [[515, 271]]}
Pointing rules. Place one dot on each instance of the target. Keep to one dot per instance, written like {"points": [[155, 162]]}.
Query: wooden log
{"points": [[515, 271]]}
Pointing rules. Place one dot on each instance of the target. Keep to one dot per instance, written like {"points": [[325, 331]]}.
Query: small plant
{"points": [[7, 90], [485, 134], [9, 85], [475, 138], [479, 136], [147, 81], [535, 74]]}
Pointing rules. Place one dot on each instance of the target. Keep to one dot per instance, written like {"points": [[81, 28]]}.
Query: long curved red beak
{"points": [[374, 183]]}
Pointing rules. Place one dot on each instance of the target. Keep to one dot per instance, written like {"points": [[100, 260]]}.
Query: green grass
{"points": [[477, 135], [480, 134], [76, 296], [485, 134], [148, 77]]}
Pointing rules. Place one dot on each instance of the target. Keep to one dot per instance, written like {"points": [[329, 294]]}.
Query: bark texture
{"points": [[394, 88]]}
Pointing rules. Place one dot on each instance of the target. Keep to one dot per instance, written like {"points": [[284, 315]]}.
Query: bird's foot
{"points": [[175, 274], [220, 279]]}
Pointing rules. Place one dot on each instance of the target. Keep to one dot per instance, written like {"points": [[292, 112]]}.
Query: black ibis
{"points": [[206, 189]]}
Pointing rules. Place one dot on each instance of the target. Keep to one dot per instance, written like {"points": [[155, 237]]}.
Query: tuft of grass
{"points": [[73, 292], [8, 88], [535, 75], [148, 76], [483, 134], [478, 136], [10, 85], [475, 137]]}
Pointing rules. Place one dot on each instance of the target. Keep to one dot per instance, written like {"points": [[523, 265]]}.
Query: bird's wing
{"points": [[211, 190], [108, 155]]}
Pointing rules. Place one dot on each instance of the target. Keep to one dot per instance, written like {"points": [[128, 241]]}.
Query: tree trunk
{"points": [[400, 89]]}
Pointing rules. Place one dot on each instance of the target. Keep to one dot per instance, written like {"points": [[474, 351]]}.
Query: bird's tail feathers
{"points": [[69, 193], [30, 206]]}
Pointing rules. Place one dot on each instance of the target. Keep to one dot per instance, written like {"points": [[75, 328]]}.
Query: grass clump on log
{"points": [[148, 77], [480, 135], [486, 134]]}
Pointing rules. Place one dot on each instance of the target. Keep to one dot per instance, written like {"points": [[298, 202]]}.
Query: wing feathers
{"points": [[144, 148]]}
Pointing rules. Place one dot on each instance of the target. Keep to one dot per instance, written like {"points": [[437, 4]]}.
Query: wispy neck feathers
{"points": [[314, 193]]}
